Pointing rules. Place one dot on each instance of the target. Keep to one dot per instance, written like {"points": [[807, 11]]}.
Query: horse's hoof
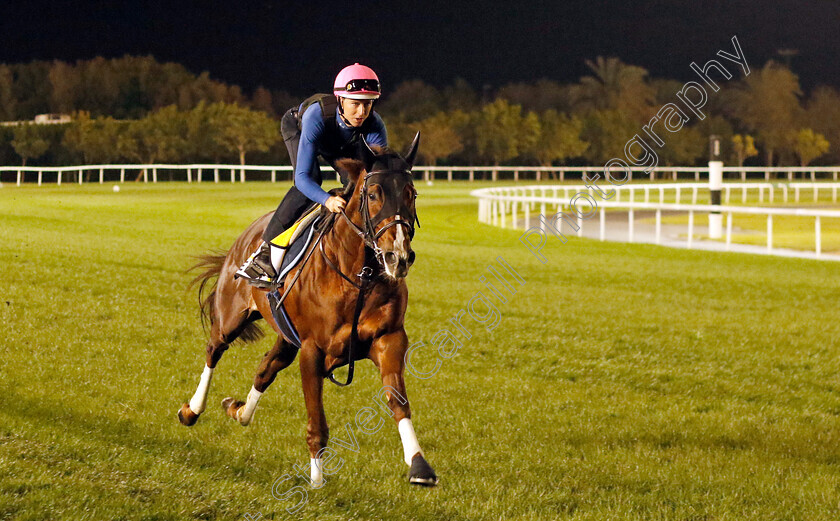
{"points": [[230, 405], [186, 416], [421, 472]]}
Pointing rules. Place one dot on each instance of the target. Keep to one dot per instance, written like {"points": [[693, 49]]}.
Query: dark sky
{"points": [[300, 46]]}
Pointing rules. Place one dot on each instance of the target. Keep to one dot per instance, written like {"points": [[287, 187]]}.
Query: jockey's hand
{"points": [[335, 204]]}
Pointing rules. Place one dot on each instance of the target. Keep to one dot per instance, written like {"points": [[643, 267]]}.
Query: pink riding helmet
{"points": [[357, 82]]}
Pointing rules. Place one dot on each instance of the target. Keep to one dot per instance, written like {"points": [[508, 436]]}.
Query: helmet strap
{"points": [[341, 110]]}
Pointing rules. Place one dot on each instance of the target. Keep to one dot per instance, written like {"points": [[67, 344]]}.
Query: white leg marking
{"points": [[199, 399], [409, 440], [247, 411], [315, 473]]}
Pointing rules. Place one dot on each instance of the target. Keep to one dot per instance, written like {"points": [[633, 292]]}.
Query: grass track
{"points": [[622, 382]]}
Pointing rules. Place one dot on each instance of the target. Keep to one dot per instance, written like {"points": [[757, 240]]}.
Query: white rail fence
{"points": [[234, 173], [499, 206], [765, 192]]}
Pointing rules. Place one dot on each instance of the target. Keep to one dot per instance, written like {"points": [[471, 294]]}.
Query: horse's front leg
{"points": [[388, 353], [317, 431]]}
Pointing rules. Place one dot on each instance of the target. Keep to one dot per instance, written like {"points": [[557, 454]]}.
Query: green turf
{"points": [[622, 382]]}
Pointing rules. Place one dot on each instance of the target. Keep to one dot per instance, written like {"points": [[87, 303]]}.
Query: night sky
{"points": [[300, 46]]}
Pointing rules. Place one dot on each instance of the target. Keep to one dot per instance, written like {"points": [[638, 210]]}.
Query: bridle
{"points": [[393, 183]]}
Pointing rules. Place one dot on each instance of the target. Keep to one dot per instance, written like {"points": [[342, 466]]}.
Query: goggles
{"points": [[362, 85]]}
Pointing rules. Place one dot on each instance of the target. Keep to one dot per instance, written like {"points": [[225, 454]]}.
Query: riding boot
{"points": [[258, 270]]}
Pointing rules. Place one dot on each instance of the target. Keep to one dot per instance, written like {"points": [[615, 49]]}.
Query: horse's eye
{"points": [[372, 196]]}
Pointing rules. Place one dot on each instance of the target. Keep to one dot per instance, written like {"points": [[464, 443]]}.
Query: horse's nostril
{"points": [[411, 256], [391, 258]]}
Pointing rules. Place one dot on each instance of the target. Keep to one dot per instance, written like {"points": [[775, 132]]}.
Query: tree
{"points": [[246, 131], [501, 132], [606, 131], [160, 136], [809, 145], [7, 98], [261, 100], [743, 147], [66, 87], [96, 140], [460, 96], [31, 88], [412, 100], [823, 115], [684, 147], [616, 86], [29, 142], [439, 139], [558, 138], [205, 123], [541, 96], [767, 103]]}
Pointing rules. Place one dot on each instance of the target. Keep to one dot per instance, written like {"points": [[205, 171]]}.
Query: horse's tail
{"points": [[210, 266]]}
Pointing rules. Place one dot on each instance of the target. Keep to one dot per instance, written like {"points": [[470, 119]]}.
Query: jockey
{"points": [[330, 126]]}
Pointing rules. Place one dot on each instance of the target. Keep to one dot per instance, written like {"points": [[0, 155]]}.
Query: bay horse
{"points": [[365, 255]]}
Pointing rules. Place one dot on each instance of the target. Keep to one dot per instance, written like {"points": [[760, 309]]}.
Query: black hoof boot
{"points": [[422, 473]]}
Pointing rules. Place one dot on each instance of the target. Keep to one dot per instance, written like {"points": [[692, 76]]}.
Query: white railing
{"points": [[500, 205], [214, 172], [765, 192], [149, 173]]}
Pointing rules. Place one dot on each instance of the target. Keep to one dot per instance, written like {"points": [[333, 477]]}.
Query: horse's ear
{"points": [[411, 153]]}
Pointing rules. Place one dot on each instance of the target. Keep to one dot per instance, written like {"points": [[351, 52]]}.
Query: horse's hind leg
{"points": [[222, 333], [279, 358]]}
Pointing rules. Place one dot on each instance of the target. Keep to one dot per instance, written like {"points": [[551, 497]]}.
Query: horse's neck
{"points": [[349, 248]]}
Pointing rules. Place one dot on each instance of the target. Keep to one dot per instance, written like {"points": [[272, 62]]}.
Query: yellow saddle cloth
{"points": [[284, 239]]}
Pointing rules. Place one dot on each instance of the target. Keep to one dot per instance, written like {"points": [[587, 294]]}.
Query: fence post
{"points": [[40, 174], [154, 175], [769, 231], [189, 175], [728, 231], [122, 175], [602, 224], [817, 237], [472, 174], [690, 227], [658, 226]]}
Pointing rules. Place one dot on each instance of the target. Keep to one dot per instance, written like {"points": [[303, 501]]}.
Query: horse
{"points": [[338, 319]]}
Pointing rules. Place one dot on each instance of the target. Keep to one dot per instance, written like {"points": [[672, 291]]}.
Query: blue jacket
{"points": [[312, 141]]}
